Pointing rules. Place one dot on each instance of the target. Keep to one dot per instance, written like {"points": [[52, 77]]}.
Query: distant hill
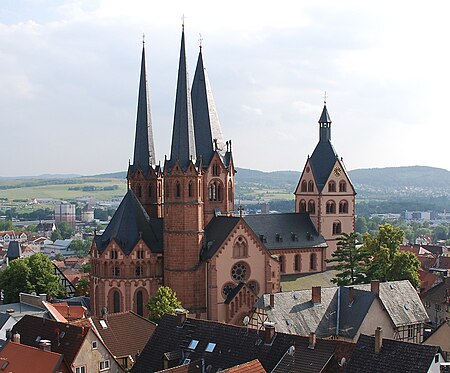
{"points": [[41, 177]]}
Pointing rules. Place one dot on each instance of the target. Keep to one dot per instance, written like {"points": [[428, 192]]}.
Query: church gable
{"points": [[338, 181], [307, 182]]}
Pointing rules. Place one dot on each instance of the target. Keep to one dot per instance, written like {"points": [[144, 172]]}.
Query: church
{"points": [[178, 225]]}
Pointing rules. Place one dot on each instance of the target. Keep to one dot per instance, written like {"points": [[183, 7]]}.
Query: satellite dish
{"points": [[291, 351], [246, 320]]}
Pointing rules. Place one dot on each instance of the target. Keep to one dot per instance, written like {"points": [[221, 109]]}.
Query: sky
{"points": [[69, 75]]}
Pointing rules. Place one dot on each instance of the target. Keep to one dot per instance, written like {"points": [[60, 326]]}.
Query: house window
{"points": [[343, 207], [304, 186], [94, 345], [297, 263], [313, 262], [240, 248], [302, 206], [282, 264], [331, 207], [312, 207], [310, 186], [411, 331], [80, 369], [332, 186], [342, 186], [139, 271], [116, 271], [104, 365], [337, 228]]}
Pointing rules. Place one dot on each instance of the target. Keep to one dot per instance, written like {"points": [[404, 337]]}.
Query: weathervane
{"points": [[325, 98], [143, 38], [200, 39], [182, 21]]}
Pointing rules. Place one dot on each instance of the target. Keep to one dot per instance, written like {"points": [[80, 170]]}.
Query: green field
{"points": [[60, 189]]}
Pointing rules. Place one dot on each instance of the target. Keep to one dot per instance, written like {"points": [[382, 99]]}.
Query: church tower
{"points": [[214, 154], [325, 190], [144, 177], [183, 204]]}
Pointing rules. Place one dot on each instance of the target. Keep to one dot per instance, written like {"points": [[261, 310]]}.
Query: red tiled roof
{"points": [[70, 311], [428, 280], [127, 333], [22, 358], [253, 366]]}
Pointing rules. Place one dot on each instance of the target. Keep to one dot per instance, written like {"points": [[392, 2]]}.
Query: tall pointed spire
{"points": [[325, 124], [183, 139], [208, 134], [144, 148]]}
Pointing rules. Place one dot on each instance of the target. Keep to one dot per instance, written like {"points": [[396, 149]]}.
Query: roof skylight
{"points": [[210, 347], [193, 344]]}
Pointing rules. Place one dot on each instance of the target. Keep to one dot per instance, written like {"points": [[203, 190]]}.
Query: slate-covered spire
{"points": [[183, 138], [325, 124], [144, 148], [208, 134]]}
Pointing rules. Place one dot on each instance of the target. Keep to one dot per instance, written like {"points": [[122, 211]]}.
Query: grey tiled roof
{"points": [[322, 161], [233, 345], [216, 232], [14, 250], [129, 223], [395, 356], [286, 231], [206, 121], [183, 139], [144, 149]]}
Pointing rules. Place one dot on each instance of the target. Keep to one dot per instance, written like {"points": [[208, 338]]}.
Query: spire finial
{"points": [[143, 38], [325, 98], [182, 21], [200, 39]]}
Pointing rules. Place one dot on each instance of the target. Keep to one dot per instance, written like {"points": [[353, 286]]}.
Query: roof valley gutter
{"points": [[338, 308]]}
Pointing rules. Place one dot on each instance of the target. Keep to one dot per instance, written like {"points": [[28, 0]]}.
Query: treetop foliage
{"points": [[165, 301]]}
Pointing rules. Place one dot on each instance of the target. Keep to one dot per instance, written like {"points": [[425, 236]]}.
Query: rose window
{"points": [[240, 272]]}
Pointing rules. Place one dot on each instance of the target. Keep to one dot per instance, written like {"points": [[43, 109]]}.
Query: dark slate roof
{"points": [[322, 161], [126, 334], [129, 223], [325, 117], [234, 345], [395, 356], [216, 232], [4, 317], [206, 121], [32, 327], [144, 149], [294, 230], [14, 250], [183, 139]]}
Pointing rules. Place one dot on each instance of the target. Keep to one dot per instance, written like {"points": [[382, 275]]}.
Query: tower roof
{"points": [[325, 117], [183, 138], [144, 148], [129, 224], [206, 121]]}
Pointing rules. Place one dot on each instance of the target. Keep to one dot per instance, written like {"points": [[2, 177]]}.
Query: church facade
{"points": [[177, 226]]}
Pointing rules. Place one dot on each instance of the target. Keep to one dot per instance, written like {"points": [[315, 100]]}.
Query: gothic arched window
{"points": [[304, 186], [311, 207], [139, 191], [331, 186], [302, 206], [116, 301], [310, 186], [282, 264], [191, 189], [297, 263], [331, 207], [313, 261], [240, 248], [342, 186], [337, 228], [140, 303], [150, 190], [343, 207], [177, 189]]}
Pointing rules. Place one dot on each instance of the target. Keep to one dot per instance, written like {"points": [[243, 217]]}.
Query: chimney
{"points": [[45, 345], [16, 337], [272, 300], [312, 340], [375, 286], [43, 297], [316, 295], [181, 317], [378, 339], [269, 332], [351, 295]]}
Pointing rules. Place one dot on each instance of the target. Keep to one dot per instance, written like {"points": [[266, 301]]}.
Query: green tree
{"points": [[6, 225], [82, 286], [81, 247], [350, 261], [65, 229], [30, 274], [59, 257], [165, 301], [440, 232], [385, 261]]}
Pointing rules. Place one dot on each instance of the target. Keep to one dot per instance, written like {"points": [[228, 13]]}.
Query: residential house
{"points": [[125, 334], [377, 354], [65, 312], [83, 350], [28, 305], [46, 228], [346, 312], [17, 357], [179, 340], [441, 337], [436, 301], [58, 247]]}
